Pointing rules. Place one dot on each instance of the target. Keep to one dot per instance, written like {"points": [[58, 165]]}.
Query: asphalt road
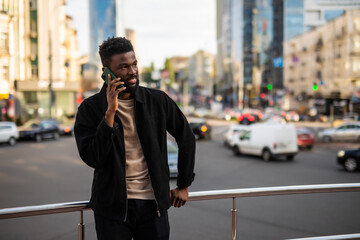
{"points": [[51, 172]]}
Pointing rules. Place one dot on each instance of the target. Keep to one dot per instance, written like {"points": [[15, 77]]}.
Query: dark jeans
{"points": [[142, 223]]}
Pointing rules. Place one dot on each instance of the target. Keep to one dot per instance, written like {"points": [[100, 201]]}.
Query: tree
{"points": [[146, 73], [169, 67]]}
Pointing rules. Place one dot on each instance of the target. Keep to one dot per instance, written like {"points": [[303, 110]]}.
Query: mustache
{"points": [[131, 77]]}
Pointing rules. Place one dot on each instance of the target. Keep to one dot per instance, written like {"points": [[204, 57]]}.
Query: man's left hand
{"points": [[178, 197]]}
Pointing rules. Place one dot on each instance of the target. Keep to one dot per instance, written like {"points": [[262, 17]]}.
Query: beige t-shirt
{"points": [[137, 174]]}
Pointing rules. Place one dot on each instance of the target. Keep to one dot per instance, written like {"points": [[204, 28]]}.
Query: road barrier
{"points": [[28, 211]]}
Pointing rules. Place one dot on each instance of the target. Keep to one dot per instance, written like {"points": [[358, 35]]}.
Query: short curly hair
{"points": [[111, 46]]}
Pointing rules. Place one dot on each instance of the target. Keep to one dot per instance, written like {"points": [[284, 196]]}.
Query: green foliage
{"points": [[169, 67], [146, 73]]}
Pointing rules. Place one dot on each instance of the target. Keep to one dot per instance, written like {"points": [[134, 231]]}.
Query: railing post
{"points": [[81, 227], [233, 220]]}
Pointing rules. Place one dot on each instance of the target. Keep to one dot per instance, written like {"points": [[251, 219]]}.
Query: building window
{"points": [[4, 72], [356, 66], [3, 40], [357, 24], [33, 4], [4, 5], [356, 43], [30, 97], [33, 26], [34, 71], [318, 74], [33, 49]]}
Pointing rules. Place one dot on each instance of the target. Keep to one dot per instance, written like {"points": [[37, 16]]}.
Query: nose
{"points": [[132, 70]]}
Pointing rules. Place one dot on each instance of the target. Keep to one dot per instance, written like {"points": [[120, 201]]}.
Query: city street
{"points": [[52, 172]]}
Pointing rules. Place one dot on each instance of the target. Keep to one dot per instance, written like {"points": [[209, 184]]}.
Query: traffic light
{"points": [[269, 86], [315, 87], [262, 95]]}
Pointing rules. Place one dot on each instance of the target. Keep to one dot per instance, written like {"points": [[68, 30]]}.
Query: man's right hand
{"points": [[112, 99]]}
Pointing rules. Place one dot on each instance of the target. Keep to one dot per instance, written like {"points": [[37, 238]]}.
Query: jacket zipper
{"points": [[157, 205], [127, 201]]}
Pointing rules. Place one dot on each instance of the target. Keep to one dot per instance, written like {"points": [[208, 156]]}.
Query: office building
{"points": [[42, 72], [201, 72], [106, 20], [244, 37], [322, 66], [303, 15]]}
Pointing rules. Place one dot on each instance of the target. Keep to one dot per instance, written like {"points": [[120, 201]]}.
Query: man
{"points": [[121, 132]]}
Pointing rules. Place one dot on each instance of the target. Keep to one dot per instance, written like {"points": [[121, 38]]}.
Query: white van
{"points": [[268, 140], [8, 133], [232, 133]]}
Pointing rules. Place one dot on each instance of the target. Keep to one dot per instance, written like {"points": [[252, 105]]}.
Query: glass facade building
{"points": [[294, 18], [245, 46], [106, 20]]}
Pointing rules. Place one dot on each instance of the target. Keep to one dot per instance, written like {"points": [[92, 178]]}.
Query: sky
{"points": [[163, 28]]}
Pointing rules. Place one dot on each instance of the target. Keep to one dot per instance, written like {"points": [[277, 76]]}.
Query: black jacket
{"points": [[103, 148]]}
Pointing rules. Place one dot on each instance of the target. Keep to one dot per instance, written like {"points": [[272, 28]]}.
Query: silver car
{"points": [[345, 132], [8, 133], [172, 150]]}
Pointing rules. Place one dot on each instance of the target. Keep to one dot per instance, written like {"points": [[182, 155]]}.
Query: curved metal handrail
{"points": [[193, 196], [273, 191], [80, 206]]}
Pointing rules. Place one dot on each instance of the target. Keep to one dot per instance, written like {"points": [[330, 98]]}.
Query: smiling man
{"points": [[121, 132]]}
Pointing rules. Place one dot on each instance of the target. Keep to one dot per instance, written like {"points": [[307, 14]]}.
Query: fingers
{"points": [[179, 203], [176, 200], [113, 84]]}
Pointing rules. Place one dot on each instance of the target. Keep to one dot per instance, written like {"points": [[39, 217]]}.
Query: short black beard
{"points": [[133, 89]]}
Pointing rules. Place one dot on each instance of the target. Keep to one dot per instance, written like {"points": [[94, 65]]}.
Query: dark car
{"points": [[35, 130], [200, 128], [349, 159], [247, 118]]}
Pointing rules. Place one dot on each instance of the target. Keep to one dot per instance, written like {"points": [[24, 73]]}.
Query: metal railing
{"points": [[7, 213]]}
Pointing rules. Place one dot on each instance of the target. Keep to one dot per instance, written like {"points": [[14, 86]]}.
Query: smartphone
{"points": [[105, 76]]}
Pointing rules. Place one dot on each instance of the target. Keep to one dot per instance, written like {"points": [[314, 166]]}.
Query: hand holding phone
{"points": [[105, 77]]}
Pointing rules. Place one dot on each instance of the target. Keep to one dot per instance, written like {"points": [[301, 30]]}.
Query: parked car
{"points": [[200, 128], [345, 132], [35, 130], [347, 118], [292, 116], [349, 159], [250, 116], [246, 119], [8, 133], [305, 139], [172, 151], [232, 132], [268, 141], [67, 127], [274, 118]]}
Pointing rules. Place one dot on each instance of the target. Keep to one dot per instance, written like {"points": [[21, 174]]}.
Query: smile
{"points": [[131, 80]]}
